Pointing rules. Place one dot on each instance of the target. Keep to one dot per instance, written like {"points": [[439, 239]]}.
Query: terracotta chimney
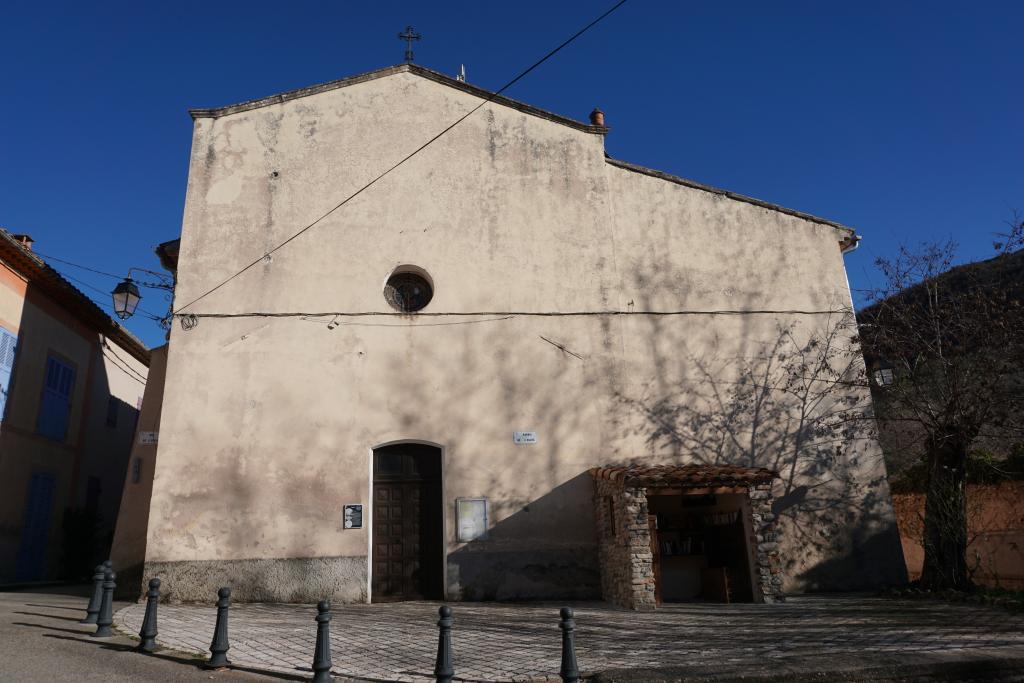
{"points": [[597, 117], [24, 240]]}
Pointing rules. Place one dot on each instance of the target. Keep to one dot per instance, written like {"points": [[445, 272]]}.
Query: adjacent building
{"points": [[513, 368], [71, 382]]}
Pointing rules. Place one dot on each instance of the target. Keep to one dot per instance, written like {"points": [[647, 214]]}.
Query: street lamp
{"points": [[126, 298]]}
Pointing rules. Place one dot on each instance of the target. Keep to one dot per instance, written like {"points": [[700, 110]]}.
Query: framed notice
{"points": [[471, 518], [353, 517]]}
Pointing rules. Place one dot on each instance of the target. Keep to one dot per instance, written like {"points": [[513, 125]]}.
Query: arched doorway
{"points": [[407, 534]]}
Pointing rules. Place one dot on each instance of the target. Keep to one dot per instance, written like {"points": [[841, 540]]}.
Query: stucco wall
{"points": [[128, 551], [995, 533], [90, 448], [268, 423]]}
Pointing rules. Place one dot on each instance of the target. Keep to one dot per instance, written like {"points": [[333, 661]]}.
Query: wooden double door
{"points": [[408, 544]]}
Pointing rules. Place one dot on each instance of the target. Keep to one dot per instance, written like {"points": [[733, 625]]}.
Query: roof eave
{"points": [[50, 282], [731, 195], [424, 72]]}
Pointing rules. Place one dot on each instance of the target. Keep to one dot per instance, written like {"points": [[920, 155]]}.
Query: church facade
{"points": [[513, 368]]}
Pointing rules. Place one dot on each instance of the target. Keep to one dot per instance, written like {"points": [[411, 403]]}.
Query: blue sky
{"points": [[900, 119]]}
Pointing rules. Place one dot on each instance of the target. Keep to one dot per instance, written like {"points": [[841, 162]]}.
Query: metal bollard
{"points": [[106, 616], [93, 610], [443, 668], [219, 647], [322, 652], [569, 672], [148, 632]]}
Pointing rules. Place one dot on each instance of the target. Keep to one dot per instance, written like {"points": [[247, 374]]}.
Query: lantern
{"points": [[126, 298]]}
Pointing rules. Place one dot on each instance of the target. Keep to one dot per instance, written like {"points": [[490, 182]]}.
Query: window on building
{"points": [[883, 377], [55, 408], [136, 470], [409, 289], [112, 406], [8, 345]]}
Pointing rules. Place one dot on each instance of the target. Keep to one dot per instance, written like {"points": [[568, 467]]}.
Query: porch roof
{"points": [[684, 476]]}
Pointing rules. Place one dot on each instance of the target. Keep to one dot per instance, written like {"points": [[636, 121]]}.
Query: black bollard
{"points": [[219, 647], [105, 619], [322, 652], [570, 672], [93, 610], [443, 668], [148, 632]]}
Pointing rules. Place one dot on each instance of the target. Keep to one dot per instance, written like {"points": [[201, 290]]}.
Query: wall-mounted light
{"points": [[126, 298]]}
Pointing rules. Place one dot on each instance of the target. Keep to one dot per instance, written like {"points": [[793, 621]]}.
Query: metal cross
{"points": [[408, 36]]}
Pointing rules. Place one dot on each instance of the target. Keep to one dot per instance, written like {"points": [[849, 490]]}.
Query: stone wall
{"points": [[624, 546], [768, 569], [301, 580]]}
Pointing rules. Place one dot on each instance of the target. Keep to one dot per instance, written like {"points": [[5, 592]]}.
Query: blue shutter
{"points": [[56, 405], [8, 345], [35, 531]]}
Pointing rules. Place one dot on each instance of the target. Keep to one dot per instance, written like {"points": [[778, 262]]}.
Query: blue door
{"points": [[35, 532]]}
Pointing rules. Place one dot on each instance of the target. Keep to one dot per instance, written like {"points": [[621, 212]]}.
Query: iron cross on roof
{"points": [[408, 36]]}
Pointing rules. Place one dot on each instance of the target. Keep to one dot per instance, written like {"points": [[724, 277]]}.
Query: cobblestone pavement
{"points": [[521, 642]]}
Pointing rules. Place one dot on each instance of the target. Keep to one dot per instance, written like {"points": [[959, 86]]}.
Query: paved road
{"points": [[41, 640], [851, 638]]}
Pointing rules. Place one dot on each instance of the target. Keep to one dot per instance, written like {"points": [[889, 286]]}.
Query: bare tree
{"points": [[951, 342]]}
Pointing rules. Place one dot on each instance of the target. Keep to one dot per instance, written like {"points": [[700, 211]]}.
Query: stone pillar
{"points": [[624, 545], [766, 551], [641, 561]]}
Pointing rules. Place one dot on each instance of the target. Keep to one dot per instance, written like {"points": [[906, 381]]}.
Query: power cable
{"points": [[409, 156], [125, 371], [110, 348], [154, 316], [77, 265], [510, 314], [141, 283]]}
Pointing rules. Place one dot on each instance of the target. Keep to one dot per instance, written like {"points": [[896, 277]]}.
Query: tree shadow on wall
{"points": [[800, 408], [560, 563]]}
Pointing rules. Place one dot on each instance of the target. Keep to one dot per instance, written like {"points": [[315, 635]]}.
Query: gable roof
{"points": [[416, 69], [444, 79], [69, 297]]}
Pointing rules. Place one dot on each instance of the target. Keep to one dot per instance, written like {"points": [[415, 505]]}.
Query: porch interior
{"points": [[701, 547]]}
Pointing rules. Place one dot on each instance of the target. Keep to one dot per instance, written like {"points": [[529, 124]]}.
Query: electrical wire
{"points": [[110, 348], [77, 265], [409, 156], [148, 314], [140, 283], [125, 371], [504, 315]]}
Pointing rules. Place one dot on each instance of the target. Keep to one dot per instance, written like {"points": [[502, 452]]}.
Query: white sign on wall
{"points": [[471, 518], [148, 437], [524, 437]]}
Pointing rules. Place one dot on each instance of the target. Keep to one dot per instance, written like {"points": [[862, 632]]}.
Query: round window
{"points": [[408, 292]]}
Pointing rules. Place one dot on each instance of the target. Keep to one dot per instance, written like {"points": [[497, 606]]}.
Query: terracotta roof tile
{"points": [[50, 282], [686, 476]]}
